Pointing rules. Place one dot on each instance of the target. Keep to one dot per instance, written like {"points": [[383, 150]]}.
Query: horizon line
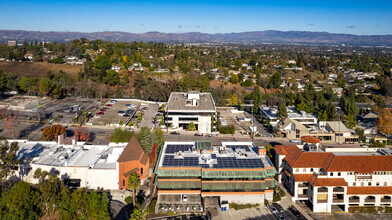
{"points": [[66, 31]]}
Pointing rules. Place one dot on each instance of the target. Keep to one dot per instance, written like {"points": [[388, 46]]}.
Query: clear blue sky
{"points": [[209, 16]]}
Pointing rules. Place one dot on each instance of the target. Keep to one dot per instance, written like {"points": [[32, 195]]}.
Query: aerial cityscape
{"points": [[196, 110]]}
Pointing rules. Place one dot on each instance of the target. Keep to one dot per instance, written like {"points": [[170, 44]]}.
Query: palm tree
{"points": [[134, 184], [138, 213]]}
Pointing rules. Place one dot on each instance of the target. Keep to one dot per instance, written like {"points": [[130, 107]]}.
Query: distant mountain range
{"points": [[269, 36]]}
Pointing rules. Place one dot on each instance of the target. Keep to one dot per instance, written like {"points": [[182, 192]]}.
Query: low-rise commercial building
{"points": [[188, 172], [270, 114], [184, 108], [89, 166]]}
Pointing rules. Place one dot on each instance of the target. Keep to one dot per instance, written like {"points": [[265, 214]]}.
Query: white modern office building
{"points": [[270, 114], [184, 108]]}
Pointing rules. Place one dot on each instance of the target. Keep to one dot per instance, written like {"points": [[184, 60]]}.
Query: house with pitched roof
{"points": [[132, 160], [326, 180]]}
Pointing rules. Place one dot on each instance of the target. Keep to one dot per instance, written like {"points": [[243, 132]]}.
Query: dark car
{"points": [[145, 108], [103, 110], [278, 207], [272, 208], [109, 105], [198, 134], [209, 135], [174, 133]]}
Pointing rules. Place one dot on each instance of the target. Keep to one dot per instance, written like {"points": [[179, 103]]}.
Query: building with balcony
{"points": [[327, 180], [188, 172], [270, 114], [184, 108]]}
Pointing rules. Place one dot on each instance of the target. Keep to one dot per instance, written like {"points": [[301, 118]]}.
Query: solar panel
{"points": [[169, 161], [170, 149], [232, 162]]}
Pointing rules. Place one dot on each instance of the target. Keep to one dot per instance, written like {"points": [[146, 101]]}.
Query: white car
{"points": [[295, 141], [185, 198]]}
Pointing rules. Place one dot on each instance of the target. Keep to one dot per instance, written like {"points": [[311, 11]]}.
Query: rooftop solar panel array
{"points": [[169, 161], [232, 162], [170, 149]]}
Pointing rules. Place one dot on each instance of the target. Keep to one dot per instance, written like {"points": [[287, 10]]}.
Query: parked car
{"points": [[209, 135], [280, 216], [272, 208], [112, 101], [198, 134], [100, 113], [109, 105], [174, 133], [102, 110], [295, 141], [184, 198], [278, 207], [121, 113], [145, 108]]}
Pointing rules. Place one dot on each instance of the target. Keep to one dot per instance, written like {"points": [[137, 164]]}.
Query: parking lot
{"points": [[149, 115], [67, 108], [260, 212], [241, 126], [111, 113]]}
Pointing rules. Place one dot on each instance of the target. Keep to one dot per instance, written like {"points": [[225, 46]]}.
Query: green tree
{"points": [[102, 62], [112, 78], [8, 158], [121, 136], [20, 202], [247, 83], [303, 107], [144, 137], [192, 126], [322, 115], [276, 80], [46, 85], [138, 213], [350, 121], [134, 184], [234, 78], [282, 110], [360, 132]]}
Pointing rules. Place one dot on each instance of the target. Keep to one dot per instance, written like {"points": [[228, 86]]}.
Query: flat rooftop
{"points": [[292, 113], [196, 102], [53, 154], [239, 155]]}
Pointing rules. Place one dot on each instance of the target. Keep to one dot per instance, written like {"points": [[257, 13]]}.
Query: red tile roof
{"points": [[291, 151], [133, 151], [310, 159], [359, 163], [302, 177], [310, 139], [371, 190], [315, 181]]}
